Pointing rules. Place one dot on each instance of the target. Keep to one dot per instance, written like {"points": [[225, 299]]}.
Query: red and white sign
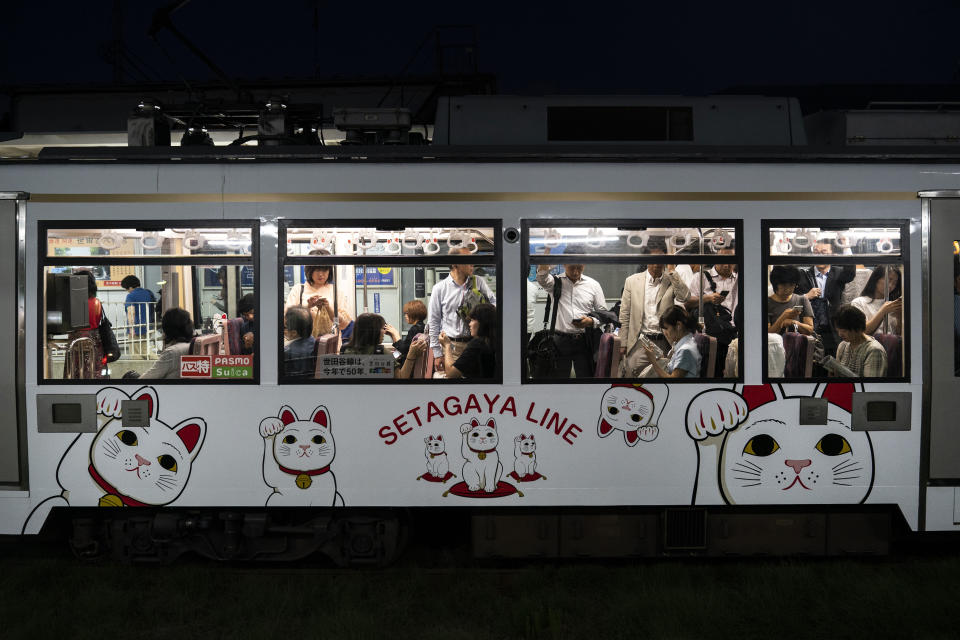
{"points": [[195, 366]]}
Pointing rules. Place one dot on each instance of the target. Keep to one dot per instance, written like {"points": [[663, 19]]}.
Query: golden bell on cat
{"points": [[110, 500], [482, 455], [304, 481]]}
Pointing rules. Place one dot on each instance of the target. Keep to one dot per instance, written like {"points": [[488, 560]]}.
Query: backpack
{"points": [[717, 319], [471, 299]]}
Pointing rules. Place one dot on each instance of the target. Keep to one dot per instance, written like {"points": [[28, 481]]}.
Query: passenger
{"points": [[247, 309], [720, 287], [139, 305], [881, 298], [451, 301], [177, 333], [316, 294], [414, 313], [94, 313], [823, 287], [859, 352], [787, 311], [299, 356], [220, 299], [678, 326], [580, 295], [479, 359], [367, 339], [646, 296]]}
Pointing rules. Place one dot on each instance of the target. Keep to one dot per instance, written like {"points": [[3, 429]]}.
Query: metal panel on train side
{"points": [[9, 426], [943, 380]]}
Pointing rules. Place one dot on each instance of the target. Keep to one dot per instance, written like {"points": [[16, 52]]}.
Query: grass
{"points": [[887, 598]]}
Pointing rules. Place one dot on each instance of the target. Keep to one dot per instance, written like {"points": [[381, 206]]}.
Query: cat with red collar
{"points": [[296, 459], [436, 455], [482, 468], [524, 456]]}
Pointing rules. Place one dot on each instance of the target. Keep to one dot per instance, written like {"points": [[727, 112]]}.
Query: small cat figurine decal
{"points": [[296, 459], [630, 408], [524, 456], [482, 468], [117, 466], [766, 457], [438, 467]]}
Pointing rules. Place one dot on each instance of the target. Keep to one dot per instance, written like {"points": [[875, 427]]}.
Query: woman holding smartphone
{"points": [[786, 310]]}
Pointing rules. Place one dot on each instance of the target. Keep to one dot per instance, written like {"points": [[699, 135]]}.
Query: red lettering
{"points": [[433, 410], [400, 425], [389, 437], [490, 402], [456, 404], [510, 406], [413, 412], [530, 411], [569, 434], [556, 424], [472, 403]]}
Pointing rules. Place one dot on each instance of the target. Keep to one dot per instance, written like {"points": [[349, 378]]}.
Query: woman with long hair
{"points": [[880, 299], [479, 358], [367, 339], [318, 295], [678, 328], [177, 329]]}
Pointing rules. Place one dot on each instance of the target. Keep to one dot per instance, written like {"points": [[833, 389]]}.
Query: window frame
{"points": [[903, 260], [393, 260], [628, 224], [253, 260]]}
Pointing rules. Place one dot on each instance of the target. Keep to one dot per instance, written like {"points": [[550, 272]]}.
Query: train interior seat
{"points": [[776, 355], [732, 361], [206, 345], [707, 346], [233, 338], [798, 349], [893, 345], [604, 356], [615, 358]]}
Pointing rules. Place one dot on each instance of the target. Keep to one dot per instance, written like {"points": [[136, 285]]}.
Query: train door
{"points": [[13, 452], [941, 216]]}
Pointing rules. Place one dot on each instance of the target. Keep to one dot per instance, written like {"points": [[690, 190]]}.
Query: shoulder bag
{"points": [[542, 348]]}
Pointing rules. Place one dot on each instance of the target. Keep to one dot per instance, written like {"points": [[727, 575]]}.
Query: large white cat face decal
{"points": [[766, 457]]}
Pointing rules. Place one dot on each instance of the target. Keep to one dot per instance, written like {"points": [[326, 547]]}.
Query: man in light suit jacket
{"points": [[646, 296]]}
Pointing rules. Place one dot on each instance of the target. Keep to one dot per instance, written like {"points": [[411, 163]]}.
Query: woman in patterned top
{"points": [[860, 353]]}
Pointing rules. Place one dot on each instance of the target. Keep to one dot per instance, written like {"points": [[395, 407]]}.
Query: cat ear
{"points": [[531, 437], [321, 417], [287, 415], [474, 422], [191, 432], [439, 437], [838, 393], [428, 439], [518, 438], [150, 395], [491, 423]]}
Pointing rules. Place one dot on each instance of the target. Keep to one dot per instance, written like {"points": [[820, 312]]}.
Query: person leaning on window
{"points": [[299, 356], [786, 310], [678, 328], [177, 334], [860, 353], [479, 359], [367, 339], [414, 313]]}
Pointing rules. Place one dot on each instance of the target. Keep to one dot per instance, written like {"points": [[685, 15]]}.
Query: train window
{"points": [[629, 301], [389, 302], [128, 303], [956, 307], [836, 301]]}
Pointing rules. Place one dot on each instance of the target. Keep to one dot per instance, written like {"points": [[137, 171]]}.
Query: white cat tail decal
{"points": [[191, 432], [712, 412], [287, 415], [321, 417]]}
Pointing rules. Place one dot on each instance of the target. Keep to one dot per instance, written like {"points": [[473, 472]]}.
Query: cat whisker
{"points": [[748, 479], [749, 470], [853, 477], [844, 462], [750, 464], [756, 484], [843, 484]]}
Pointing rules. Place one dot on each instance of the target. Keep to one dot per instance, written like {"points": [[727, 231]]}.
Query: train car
{"points": [[228, 429]]}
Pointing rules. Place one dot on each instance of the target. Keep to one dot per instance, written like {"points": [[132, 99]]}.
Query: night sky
{"points": [[531, 47]]}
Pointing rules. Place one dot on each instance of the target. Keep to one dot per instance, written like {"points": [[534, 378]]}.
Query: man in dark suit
{"points": [[823, 286]]}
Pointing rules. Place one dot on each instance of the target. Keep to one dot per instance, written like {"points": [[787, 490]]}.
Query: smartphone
{"points": [[798, 308], [723, 294]]}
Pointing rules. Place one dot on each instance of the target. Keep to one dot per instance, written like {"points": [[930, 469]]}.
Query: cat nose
{"points": [[797, 465], [304, 446], [142, 461]]}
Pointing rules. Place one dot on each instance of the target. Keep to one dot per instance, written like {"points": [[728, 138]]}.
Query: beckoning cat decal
{"points": [[438, 466], [132, 467], [525, 459], [766, 457], [632, 410], [482, 469], [296, 459]]}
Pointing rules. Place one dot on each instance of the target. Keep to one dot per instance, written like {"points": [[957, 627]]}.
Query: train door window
{"points": [[387, 301], [635, 299], [836, 300], [179, 300]]}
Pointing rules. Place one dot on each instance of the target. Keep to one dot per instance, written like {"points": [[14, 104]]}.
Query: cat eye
{"points": [[289, 440], [833, 445], [635, 417], [761, 445], [167, 462], [319, 440], [127, 437], [613, 410]]}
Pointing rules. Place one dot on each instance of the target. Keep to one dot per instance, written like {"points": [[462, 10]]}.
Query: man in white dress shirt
{"points": [[579, 296], [720, 287], [446, 300], [646, 296]]}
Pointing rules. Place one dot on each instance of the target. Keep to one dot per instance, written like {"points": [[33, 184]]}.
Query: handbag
{"points": [[542, 348], [717, 319], [108, 340], [322, 322]]}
